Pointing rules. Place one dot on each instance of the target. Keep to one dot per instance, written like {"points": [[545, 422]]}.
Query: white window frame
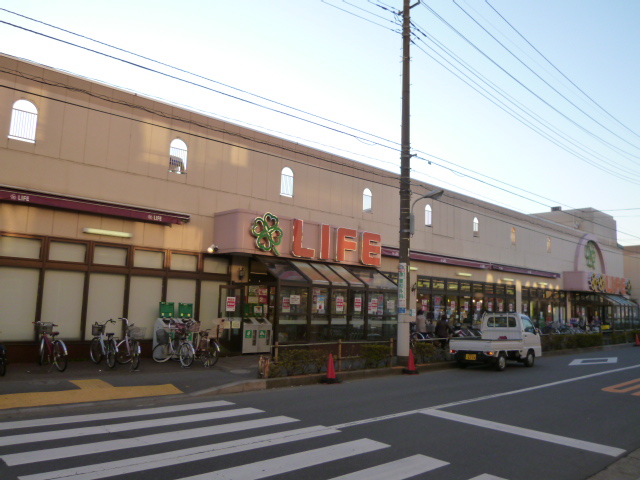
{"points": [[286, 182], [178, 149], [24, 121], [367, 201], [476, 226], [428, 215]]}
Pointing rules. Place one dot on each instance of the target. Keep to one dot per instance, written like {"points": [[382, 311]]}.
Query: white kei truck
{"points": [[505, 336]]}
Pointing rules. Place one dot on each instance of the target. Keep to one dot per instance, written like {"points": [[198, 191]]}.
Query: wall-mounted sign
{"points": [[231, 304], [335, 243], [608, 284]]}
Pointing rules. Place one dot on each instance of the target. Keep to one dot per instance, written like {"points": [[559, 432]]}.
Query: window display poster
{"points": [[253, 299], [339, 304], [231, 304], [511, 307], [391, 306], [490, 306], [257, 310], [295, 299], [453, 305], [425, 305], [286, 305], [373, 306], [321, 303], [466, 306], [357, 304], [525, 308], [500, 305], [479, 306]]}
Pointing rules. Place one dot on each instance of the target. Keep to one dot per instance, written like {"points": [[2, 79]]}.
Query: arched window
{"points": [[548, 244], [476, 226], [427, 216], [178, 157], [23, 121], [367, 201], [513, 235], [286, 182]]}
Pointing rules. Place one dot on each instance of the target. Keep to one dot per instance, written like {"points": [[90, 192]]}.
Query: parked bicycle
{"points": [[52, 351], [206, 347], [103, 344], [128, 349], [174, 344]]}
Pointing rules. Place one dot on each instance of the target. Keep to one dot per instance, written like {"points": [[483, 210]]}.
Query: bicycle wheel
{"points": [[95, 350], [59, 355], [135, 354], [162, 353], [111, 354], [42, 353], [211, 356], [186, 354], [123, 355]]}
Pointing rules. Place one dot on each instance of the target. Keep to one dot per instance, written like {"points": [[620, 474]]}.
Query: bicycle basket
{"points": [[97, 329], [138, 332], [195, 326], [45, 327], [162, 336]]}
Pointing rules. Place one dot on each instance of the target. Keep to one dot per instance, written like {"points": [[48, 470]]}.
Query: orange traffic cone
{"points": [[331, 372], [411, 368], [637, 340]]}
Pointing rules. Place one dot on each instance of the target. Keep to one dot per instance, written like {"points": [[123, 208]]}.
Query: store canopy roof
{"points": [[323, 274], [620, 300]]}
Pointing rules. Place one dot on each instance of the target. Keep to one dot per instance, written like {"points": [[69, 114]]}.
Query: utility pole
{"points": [[404, 262]]}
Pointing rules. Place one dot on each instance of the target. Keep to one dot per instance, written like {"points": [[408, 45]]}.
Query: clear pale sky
{"points": [[328, 64]]}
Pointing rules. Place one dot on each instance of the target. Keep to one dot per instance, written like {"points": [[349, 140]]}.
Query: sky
{"points": [[527, 104]]}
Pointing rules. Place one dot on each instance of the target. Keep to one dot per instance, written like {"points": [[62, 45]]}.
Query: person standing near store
{"points": [[421, 322], [442, 331]]}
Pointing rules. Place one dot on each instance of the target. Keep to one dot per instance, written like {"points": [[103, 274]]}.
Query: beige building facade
{"points": [[111, 202]]}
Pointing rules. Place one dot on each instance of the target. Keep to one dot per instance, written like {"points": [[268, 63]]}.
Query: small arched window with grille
{"points": [[178, 157], [476, 226], [513, 235], [24, 119], [367, 201], [428, 220], [548, 244], [286, 182]]}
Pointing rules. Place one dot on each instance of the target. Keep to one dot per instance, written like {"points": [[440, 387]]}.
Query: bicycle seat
{"points": [[109, 335]]}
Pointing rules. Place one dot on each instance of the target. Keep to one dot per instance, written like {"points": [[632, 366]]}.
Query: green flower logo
{"points": [[267, 232], [590, 255]]}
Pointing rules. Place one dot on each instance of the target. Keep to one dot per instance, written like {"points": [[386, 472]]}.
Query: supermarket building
{"points": [[111, 202]]}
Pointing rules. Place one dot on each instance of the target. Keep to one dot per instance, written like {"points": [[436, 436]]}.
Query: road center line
{"points": [[525, 432], [496, 395]]}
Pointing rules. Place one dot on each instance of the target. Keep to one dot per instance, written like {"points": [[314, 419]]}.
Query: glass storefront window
{"points": [[293, 303], [424, 282], [452, 286], [465, 287], [438, 284], [373, 278], [110, 256], [68, 252], [347, 275]]}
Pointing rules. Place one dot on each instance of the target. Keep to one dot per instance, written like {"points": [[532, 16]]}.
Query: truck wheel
{"points": [[529, 359], [501, 362]]}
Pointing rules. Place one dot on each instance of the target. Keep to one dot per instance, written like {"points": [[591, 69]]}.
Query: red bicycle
{"points": [[53, 351]]}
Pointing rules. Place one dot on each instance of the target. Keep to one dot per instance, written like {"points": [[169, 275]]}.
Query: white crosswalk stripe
{"points": [[45, 422], [398, 470], [26, 455], [289, 463]]}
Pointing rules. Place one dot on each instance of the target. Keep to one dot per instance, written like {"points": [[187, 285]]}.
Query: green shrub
{"points": [[293, 361], [584, 340], [375, 356], [425, 352], [317, 360]]}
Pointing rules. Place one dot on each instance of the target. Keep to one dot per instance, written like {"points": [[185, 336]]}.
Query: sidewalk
{"points": [[30, 385]]}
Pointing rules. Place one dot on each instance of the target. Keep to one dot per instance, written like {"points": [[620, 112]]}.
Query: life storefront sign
{"points": [[331, 243]]}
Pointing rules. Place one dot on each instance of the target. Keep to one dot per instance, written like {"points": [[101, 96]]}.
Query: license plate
{"points": [[470, 356]]}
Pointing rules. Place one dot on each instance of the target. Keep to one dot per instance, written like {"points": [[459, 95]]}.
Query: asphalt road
{"points": [[569, 417]]}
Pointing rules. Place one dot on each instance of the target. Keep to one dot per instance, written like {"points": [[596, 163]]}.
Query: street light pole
{"points": [[404, 283]]}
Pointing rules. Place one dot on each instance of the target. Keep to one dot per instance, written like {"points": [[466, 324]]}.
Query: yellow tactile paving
{"points": [[90, 391], [93, 383]]}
